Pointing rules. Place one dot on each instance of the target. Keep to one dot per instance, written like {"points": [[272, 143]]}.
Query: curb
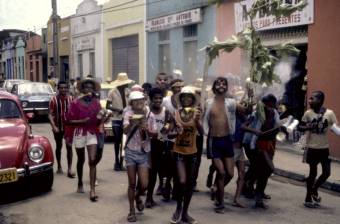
{"points": [[302, 178]]}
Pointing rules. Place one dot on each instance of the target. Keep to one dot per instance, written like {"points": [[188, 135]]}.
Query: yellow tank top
{"points": [[186, 142]]}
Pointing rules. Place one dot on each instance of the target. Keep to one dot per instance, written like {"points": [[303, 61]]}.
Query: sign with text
{"points": [[174, 20], [264, 21]]}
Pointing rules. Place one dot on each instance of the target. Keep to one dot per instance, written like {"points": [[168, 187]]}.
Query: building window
{"points": [[37, 71], [164, 58], [92, 64], [190, 60], [31, 70], [190, 31], [80, 65], [164, 35]]}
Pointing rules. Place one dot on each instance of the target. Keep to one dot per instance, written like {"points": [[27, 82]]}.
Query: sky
{"points": [[33, 14]]}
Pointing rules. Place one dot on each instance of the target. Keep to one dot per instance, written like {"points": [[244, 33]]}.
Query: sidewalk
{"points": [[288, 163]]}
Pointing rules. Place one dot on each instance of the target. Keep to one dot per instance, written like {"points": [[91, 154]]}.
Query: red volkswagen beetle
{"points": [[23, 156]]}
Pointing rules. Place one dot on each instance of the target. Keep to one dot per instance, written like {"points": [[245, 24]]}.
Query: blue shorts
{"points": [[220, 147], [136, 158]]}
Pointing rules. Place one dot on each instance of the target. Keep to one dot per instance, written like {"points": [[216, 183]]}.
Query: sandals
{"points": [[309, 204], [150, 203], [316, 198], [176, 217], [131, 217], [219, 209], [139, 205]]}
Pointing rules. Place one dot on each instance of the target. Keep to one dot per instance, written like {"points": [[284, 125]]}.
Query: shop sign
{"points": [[85, 44], [263, 21], [174, 20]]}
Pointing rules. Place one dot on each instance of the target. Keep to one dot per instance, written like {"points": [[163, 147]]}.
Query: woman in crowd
{"points": [[138, 125], [83, 115], [187, 122]]}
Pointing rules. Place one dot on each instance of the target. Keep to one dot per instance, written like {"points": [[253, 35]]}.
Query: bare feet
{"points": [[131, 217], [236, 203], [70, 174], [59, 170], [80, 189], [176, 216], [93, 196], [139, 204], [188, 219]]}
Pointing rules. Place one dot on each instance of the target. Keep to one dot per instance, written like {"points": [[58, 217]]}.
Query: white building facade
{"points": [[86, 40]]}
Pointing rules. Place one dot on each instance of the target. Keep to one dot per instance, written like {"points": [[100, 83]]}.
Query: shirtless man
{"points": [[162, 81], [219, 125]]}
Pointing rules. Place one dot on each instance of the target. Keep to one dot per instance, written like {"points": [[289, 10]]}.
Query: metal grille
{"points": [[125, 56]]}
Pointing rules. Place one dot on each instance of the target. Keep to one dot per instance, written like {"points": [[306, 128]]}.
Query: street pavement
{"points": [[64, 205]]}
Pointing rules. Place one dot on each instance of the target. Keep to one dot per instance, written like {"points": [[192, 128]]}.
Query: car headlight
{"points": [[36, 153], [24, 104]]}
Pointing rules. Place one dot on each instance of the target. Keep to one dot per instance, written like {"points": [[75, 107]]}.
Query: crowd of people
{"points": [[165, 127]]}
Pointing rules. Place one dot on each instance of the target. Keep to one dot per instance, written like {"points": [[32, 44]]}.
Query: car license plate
{"points": [[8, 175]]}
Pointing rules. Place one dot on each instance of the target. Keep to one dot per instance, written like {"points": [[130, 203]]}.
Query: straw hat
{"points": [[188, 90], [122, 79], [94, 82]]}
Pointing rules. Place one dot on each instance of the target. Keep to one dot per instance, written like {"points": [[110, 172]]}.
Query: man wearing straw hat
{"points": [[117, 101]]}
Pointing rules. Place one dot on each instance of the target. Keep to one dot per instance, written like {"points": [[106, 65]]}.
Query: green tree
{"points": [[262, 62]]}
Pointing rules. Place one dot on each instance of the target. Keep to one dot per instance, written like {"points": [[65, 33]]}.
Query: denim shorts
{"points": [[189, 159], [136, 158]]}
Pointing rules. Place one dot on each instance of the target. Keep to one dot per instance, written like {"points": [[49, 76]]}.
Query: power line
{"points": [[120, 9], [113, 9]]}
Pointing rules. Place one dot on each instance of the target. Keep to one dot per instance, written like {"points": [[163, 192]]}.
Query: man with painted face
{"points": [[316, 122]]}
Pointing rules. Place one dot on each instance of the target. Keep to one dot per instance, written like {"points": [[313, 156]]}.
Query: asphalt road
{"points": [[64, 205]]}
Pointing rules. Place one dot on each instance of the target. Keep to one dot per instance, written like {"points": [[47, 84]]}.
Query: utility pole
{"points": [[55, 40]]}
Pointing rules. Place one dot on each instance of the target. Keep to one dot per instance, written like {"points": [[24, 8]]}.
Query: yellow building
{"points": [[64, 47], [124, 39]]}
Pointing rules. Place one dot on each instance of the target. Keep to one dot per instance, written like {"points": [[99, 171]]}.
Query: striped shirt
{"points": [[58, 107]]}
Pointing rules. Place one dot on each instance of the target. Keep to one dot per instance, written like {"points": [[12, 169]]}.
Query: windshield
{"points": [[34, 89], [11, 83], [9, 109]]}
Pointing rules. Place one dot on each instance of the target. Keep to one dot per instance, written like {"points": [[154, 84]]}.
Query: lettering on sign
{"points": [[174, 20], [264, 21]]}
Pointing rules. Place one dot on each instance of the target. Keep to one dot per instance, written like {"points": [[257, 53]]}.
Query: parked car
{"points": [[104, 92], [9, 83], [23, 156], [34, 96]]}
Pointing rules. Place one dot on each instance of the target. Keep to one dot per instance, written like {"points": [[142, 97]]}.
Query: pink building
{"points": [[315, 32], [34, 65]]}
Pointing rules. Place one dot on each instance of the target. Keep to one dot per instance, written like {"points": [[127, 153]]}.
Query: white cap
{"points": [[136, 95]]}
